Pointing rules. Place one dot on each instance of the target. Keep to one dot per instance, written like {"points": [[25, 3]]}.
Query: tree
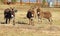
{"points": [[57, 2], [43, 3], [20, 1], [29, 1], [13, 1], [36, 1]]}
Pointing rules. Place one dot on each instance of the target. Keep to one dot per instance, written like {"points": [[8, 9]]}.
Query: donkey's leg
{"points": [[29, 22], [14, 21], [50, 20], [39, 20], [6, 20], [32, 22], [9, 20]]}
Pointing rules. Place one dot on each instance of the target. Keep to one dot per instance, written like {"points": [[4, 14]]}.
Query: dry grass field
{"points": [[23, 29]]}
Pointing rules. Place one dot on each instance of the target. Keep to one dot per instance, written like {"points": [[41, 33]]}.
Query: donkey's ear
{"points": [[16, 10]]}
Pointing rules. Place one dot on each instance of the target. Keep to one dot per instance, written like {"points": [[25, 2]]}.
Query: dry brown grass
{"points": [[43, 29]]}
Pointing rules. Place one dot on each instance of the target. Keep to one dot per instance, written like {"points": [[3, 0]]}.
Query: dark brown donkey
{"points": [[46, 15]]}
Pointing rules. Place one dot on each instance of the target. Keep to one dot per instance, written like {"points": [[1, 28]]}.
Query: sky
{"points": [[34, 0]]}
